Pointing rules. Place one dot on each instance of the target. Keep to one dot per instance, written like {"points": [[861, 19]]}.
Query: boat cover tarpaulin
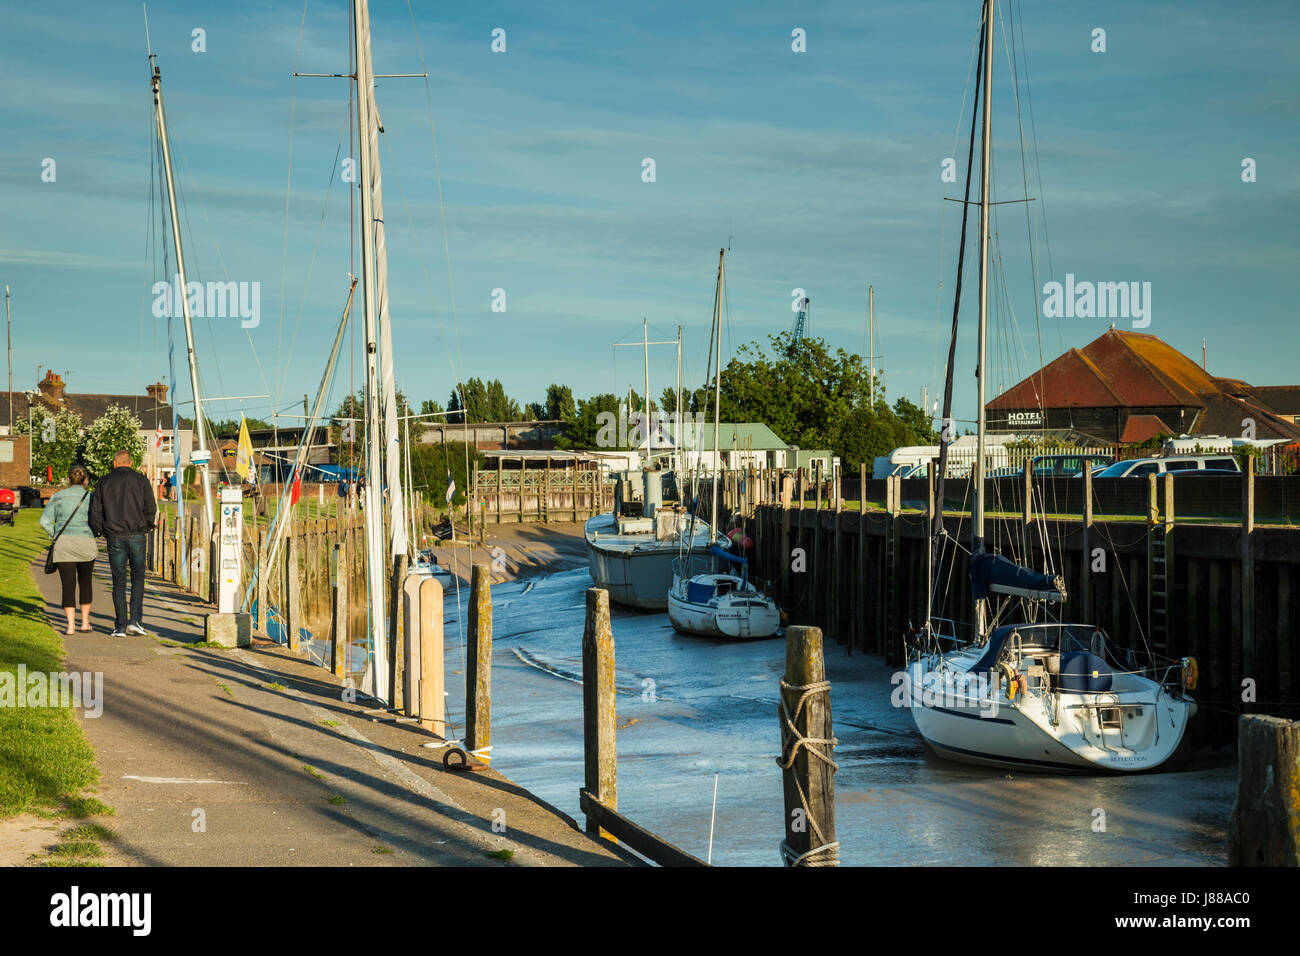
{"points": [[718, 552], [993, 572]]}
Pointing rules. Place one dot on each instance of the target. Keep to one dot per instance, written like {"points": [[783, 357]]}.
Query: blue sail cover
{"points": [[718, 552], [993, 572]]}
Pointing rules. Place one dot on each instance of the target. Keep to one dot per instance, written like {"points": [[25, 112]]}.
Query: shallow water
{"points": [[692, 707]]}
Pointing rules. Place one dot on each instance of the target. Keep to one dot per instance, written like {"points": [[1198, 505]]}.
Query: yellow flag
{"points": [[244, 454]]}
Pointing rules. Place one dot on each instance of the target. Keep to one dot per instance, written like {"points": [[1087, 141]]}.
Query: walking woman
{"points": [[75, 548]]}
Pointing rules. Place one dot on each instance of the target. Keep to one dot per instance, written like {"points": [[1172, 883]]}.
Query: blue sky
{"points": [[821, 169]]}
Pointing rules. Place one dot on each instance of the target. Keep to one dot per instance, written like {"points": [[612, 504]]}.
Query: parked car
{"points": [[1061, 466], [1140, 467]]}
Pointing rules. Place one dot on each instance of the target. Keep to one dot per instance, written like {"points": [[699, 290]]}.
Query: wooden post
{"points": [[862, 557], [339, 624], [396, 632], [412, 638], [1248, 581], [500, 474], [293, 595], [545, 502], [1264, 827], [600, 742], [431, 696], [1085, 545], [575, 491], [785, 562], [482, 521], [807, 752], [478, 710]]}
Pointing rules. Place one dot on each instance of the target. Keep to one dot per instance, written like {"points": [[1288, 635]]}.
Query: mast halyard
{"points": [[986, 151], [182, 290]]}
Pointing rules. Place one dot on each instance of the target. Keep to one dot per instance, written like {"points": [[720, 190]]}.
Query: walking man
{"points": [[123, 511]]}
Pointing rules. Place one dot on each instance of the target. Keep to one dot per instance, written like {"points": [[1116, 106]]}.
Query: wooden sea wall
{"points": [[864, 582]]}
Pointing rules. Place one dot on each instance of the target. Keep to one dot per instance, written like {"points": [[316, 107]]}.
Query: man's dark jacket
{"points": [[123, 503]]}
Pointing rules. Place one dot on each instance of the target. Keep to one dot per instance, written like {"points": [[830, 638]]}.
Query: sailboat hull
{"points": [[740, 619], [1122, 731], [636, 570]]}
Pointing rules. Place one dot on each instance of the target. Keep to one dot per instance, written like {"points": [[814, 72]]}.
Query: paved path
{"points": [[202, 757]]}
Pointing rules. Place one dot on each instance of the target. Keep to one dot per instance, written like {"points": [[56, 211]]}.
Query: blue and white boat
{"points": [[724, 604], [1021, 690]]}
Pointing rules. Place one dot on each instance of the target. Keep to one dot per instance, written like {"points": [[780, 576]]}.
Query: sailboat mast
{"points": [[986, 151], [717, 391], [977, 529], [182, 292], [376, 562], [871, 348], [677, 436]]}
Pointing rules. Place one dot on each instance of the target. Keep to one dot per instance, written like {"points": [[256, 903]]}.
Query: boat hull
{"points": [[637, 574], [734, 622], [1068, 737]]}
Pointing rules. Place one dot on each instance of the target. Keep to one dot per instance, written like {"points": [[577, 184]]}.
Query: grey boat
{"points": [[632, 549]]}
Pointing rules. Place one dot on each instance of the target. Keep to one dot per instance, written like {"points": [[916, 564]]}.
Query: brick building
{"points": [[1126, 387]]}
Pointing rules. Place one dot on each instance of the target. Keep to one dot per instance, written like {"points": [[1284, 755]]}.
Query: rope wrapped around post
{"points": [[807, 747]]}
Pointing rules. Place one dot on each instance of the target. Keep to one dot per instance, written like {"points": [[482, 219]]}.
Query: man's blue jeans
{"points": [[124, 550]]}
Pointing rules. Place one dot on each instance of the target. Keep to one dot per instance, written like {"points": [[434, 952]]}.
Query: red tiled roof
{"points": [[1071, 381], [1142, 427]]}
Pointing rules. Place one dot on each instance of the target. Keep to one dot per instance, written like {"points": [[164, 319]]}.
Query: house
{"points": [[151, 409]]}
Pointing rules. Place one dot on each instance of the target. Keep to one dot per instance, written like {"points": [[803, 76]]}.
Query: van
{"points": [[1140, 467]]}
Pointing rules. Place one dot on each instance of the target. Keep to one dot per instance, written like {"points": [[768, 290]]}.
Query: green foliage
{"points": [[560, 405], [117, 429], [585, 426], [229, 428], [429, 466], [431, 406], [481, 401], [62, 451]]}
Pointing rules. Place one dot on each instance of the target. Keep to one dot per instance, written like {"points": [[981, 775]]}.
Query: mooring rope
{"points": [[792, 742]]}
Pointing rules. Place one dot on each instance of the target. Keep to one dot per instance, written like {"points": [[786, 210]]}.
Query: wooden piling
{"points": [[396, 632], [293, 601], [478, 711], [1248, 660], [431, 693], [339, 621], [807, 752], [600, 742], [1085, 548], [1264, 827]]}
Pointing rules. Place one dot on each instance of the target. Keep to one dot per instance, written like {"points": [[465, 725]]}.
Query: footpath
{"points": [[252, 757]]}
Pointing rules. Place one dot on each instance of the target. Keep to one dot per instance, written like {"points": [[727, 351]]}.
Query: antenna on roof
{"points": [[1203, 353]]}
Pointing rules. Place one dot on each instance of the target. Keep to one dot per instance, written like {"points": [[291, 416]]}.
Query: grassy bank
{"points": [[45, 761]]}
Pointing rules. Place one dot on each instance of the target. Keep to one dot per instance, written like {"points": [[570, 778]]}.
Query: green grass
{"points": [[89, 831], [382, 850], [329, 723], [312, 771], [275, 686], [504, 855], [166, 643], [79, 848], [212, 644], [337, 799], [45, 761]]}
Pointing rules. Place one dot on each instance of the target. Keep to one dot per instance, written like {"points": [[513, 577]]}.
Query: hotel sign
{"points": [[1032, 419]]}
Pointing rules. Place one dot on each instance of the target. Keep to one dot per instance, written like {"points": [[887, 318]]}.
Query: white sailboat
{"points": [[1025, 691], [703, 600]]}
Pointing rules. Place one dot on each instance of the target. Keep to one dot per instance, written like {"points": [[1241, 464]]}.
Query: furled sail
{"points": [[993, 572]]}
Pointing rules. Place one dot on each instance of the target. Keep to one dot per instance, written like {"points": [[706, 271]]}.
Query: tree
{"points": [[116, 430], [560, 405], [430, 464], [229, 428], [585, 428], [431, 407], [56, 442]]}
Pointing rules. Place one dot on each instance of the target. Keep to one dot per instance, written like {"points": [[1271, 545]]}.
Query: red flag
{"points": [[297, 490], [49, 473]]}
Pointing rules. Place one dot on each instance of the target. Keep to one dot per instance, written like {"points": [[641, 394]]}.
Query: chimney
{"points": [[52, 388], [158, 392]]}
